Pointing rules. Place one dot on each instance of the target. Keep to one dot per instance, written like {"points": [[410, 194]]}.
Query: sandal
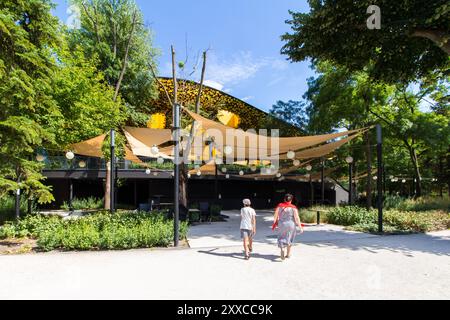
{"points": [[282, 254]]}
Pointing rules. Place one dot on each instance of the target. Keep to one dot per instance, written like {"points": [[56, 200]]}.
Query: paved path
{"points": [[328, 263]]}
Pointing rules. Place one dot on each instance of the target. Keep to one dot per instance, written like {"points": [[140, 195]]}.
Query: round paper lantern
{"points": [[70, 155], [291, 154]]}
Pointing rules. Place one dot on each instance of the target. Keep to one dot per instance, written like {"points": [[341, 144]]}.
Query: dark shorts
{"points": [[245, 233]]}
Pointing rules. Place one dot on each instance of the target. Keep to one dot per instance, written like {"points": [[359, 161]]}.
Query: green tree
{"points": [[114, 35], [292, 112], [340, 98], [28, 32], [413, 40], [85, 101]]}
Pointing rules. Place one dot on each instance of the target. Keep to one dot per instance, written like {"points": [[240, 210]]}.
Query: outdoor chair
{"points": [[155, 204], [205, 211], [144, 207]]}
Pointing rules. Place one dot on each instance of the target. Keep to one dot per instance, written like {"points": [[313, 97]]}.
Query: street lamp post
{"points": [[112, 164], [176, 136], [309, 168], [322, 175], [349, 160]]}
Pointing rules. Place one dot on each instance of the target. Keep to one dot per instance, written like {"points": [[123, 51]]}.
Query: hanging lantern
{"points": [[253, 168], [82, 164], [148, 171], [278, 175], [224, 170], [308, 167], [70, 155], [227, 176], [228, 150], [199, 173], [241, 173], [154, 150], [40, 158], [160, 160], [296, 163], [291, 154]]}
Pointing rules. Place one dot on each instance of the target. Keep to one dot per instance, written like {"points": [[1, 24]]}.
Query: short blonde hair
{"points": [[246, 202]]}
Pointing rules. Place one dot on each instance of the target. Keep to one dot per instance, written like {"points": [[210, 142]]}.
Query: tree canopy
{"points": [[113, 33], [414, 38]]}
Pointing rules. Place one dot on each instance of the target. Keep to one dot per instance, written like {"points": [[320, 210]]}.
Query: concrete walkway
{"points": [[226, 234], [328, 263]]}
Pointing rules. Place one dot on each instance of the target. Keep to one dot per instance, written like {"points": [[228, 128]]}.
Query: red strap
{"points": [[286, 205]]}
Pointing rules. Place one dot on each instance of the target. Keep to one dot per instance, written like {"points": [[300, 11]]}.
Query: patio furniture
{"points": [[205, 211], [145, 207]]}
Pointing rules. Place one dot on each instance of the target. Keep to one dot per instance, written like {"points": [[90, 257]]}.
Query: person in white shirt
{"points": [[248, 227]]}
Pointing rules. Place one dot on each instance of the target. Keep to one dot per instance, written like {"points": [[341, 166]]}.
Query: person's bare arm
{"points": [[275, 216], [298, 221], [254, 224]]}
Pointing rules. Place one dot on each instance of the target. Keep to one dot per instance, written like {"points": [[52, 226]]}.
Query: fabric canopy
{"points": [[90, 148], [207, 169], [323, 150], [142, 149], [93, 148], [253, 141], [150, 137]]}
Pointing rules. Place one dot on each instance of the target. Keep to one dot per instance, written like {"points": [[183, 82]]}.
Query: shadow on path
{"points": [[437, 243], [240, 256]]}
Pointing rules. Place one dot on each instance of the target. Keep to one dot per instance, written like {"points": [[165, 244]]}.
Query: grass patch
{"points": [[100, 231]]}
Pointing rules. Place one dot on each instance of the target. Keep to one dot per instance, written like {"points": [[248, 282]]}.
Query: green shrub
{"points": [[90, 203], [310, 216], [8, 208], [216, 209], [98, 231], [351, 215], [393, 220], [419, 204], [371, 227]]}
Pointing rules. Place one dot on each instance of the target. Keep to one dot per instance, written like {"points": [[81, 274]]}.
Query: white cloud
{"points": [[247, 98], [213, 84], [239, 67], [275, 81]]}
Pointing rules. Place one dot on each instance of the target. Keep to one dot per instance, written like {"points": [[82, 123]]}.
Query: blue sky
{"points": [[243, 37]]}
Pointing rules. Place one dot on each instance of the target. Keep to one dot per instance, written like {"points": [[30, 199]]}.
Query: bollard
{"points": [[318, 217]]}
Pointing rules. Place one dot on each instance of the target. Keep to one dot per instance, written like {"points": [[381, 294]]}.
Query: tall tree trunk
{"points": [[125, 59], [417, 175], [369, 171], [440, 179], [184, 168]]}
